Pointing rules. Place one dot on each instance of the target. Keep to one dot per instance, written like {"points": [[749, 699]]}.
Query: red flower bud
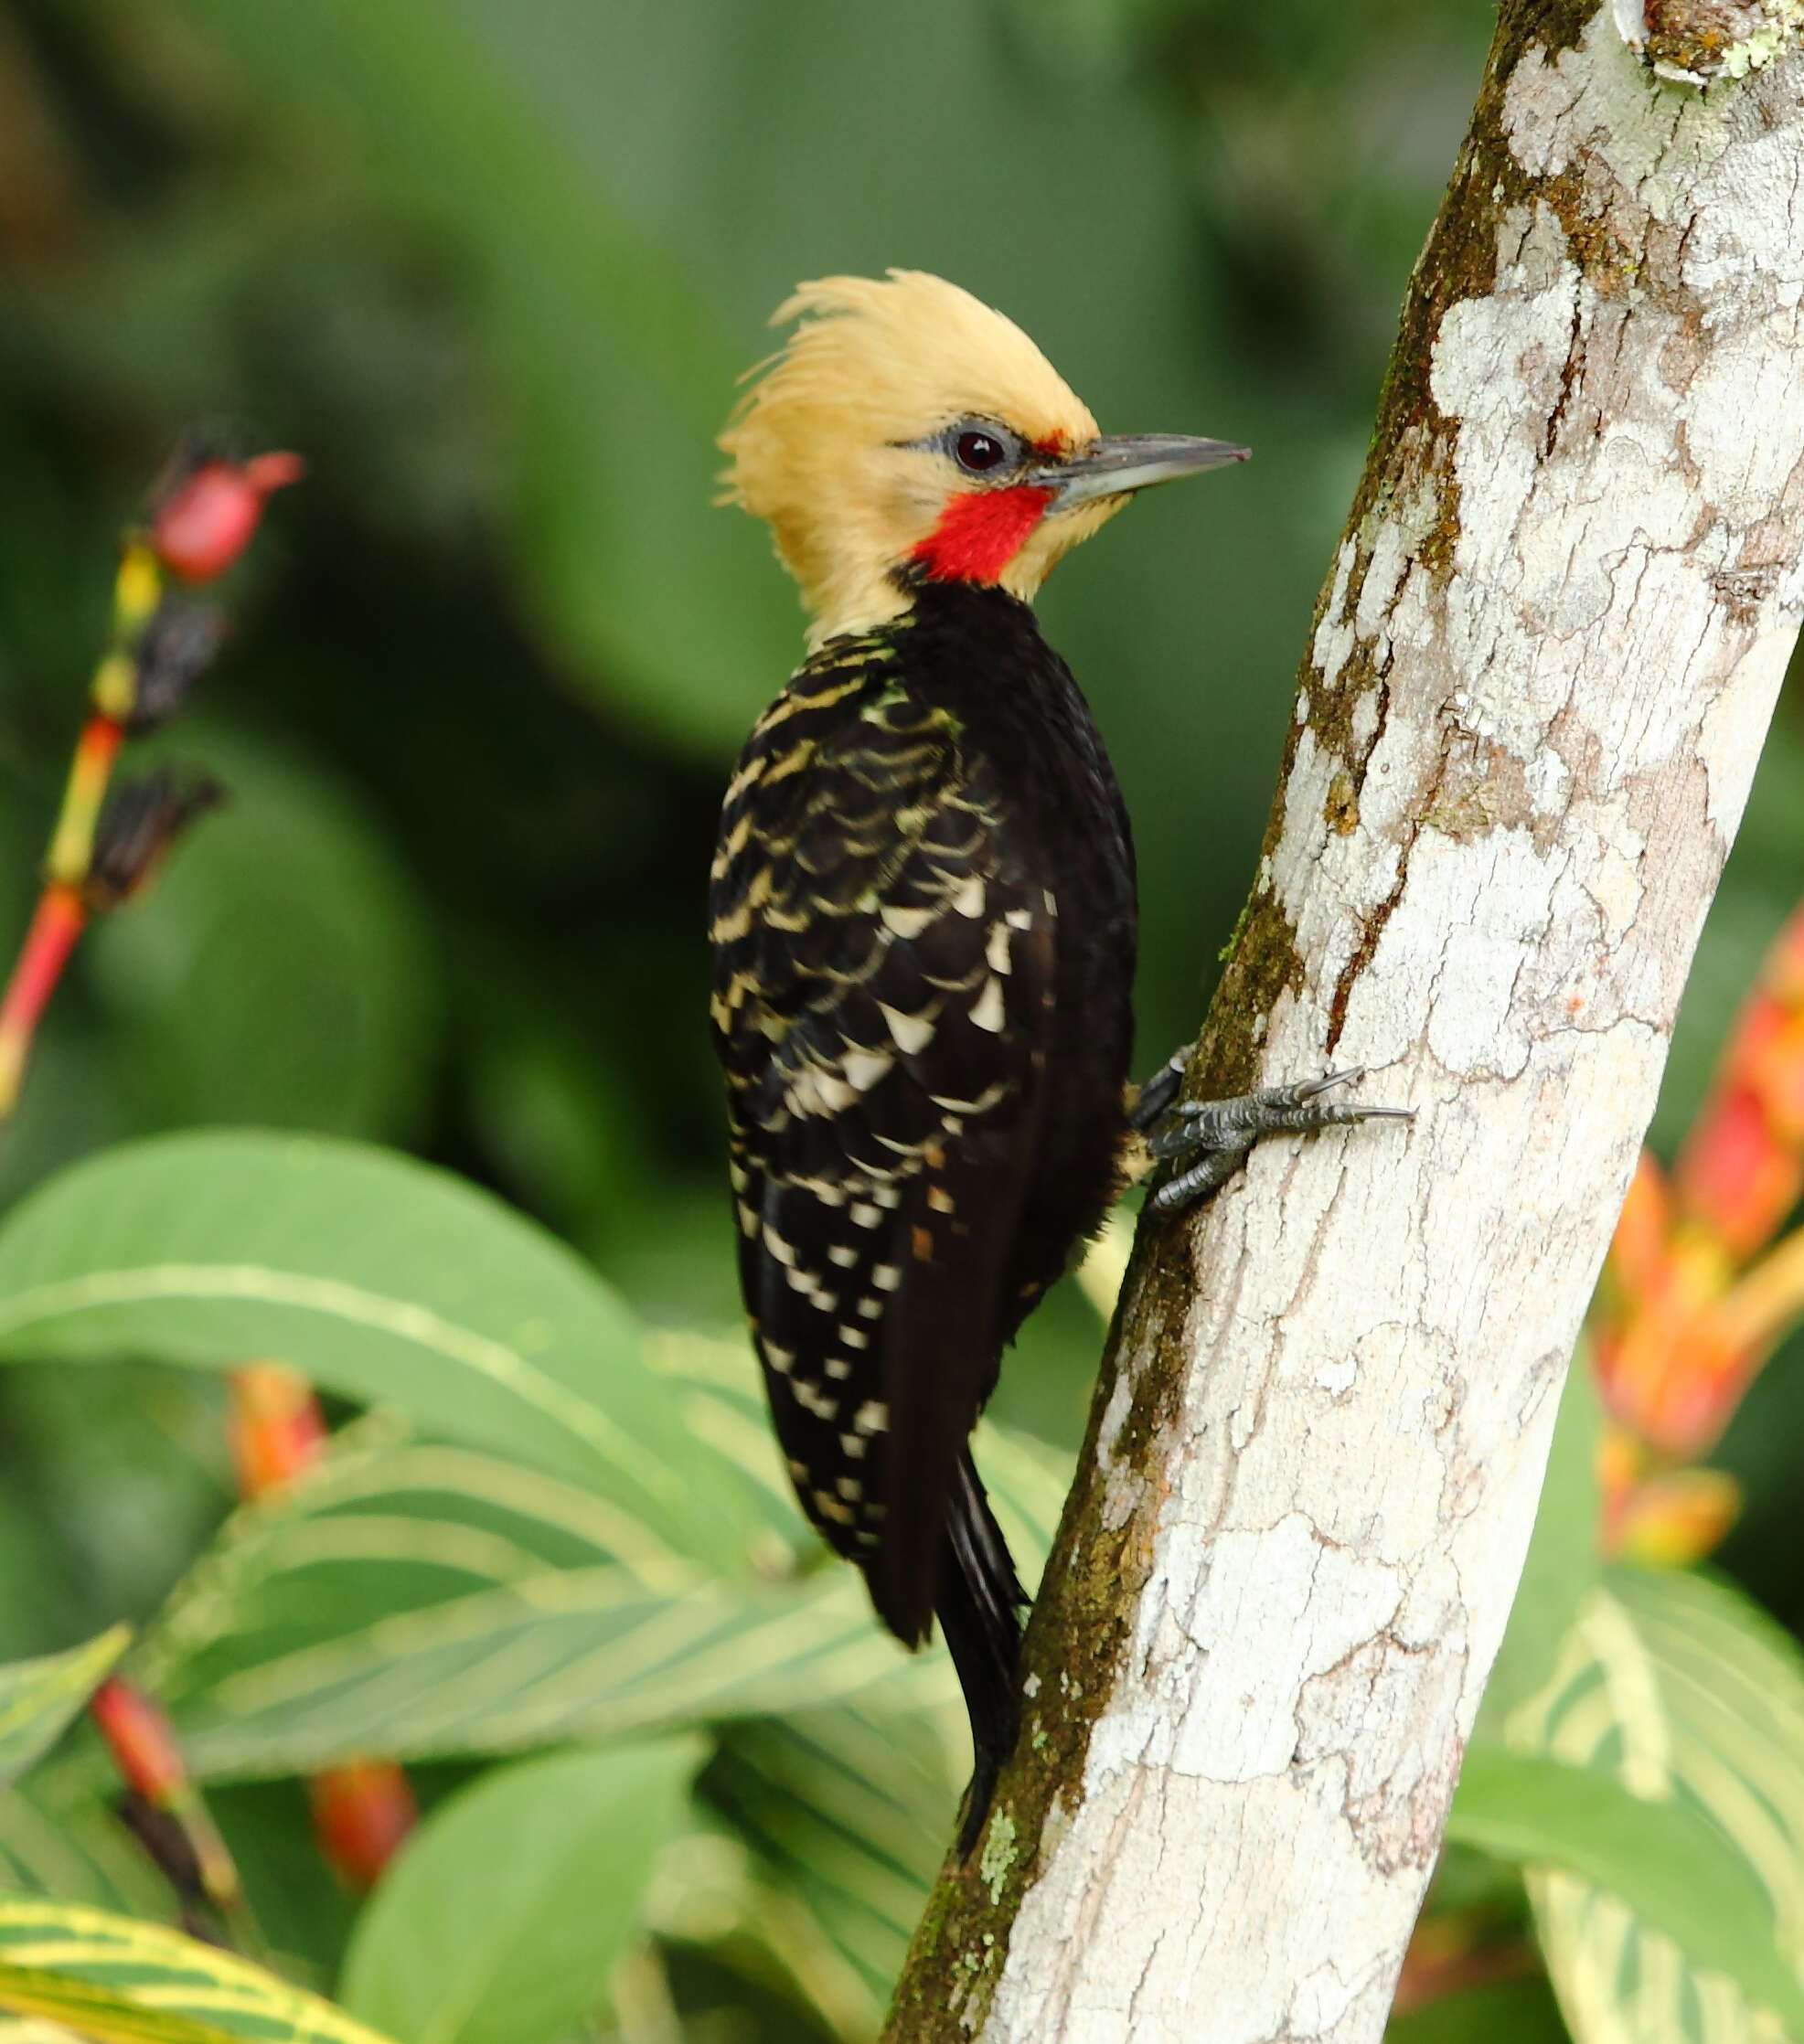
{"points": [[140, 1738], [362, 1811], [203, 520], [277, 1429]]}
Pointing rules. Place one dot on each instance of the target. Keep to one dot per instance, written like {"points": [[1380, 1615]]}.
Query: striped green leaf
{"points": [[1681, 1690], [848, 1813], [382, 1279], [575, 1655], [122, 1982], [1665, 1863], [38, 1698], [59, 1837], [420, 1599], [714, 1378]]}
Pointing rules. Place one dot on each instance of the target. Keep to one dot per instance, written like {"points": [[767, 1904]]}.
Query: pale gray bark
{"points": [[1535, 692]]}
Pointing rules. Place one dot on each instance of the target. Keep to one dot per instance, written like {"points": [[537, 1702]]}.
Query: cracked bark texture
{"points": [[1534, 694]]}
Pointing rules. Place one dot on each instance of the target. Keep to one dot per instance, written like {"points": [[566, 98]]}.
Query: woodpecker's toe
{"points": [[1158, 1093], [1204, 1142]]}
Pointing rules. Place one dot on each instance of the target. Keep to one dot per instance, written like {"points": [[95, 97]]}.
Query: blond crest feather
{"points": [[822, 445]]}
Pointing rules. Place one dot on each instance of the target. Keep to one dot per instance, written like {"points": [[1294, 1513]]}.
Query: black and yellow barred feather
{"points": [[923, 933]]}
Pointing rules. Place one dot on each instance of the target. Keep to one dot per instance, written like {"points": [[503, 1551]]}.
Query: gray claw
{"points": [[1158, 1093], [1307, 1088], [1209, 1139]]}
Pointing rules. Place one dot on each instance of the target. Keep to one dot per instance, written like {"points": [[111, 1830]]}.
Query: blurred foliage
{"points": [[493, 269]]}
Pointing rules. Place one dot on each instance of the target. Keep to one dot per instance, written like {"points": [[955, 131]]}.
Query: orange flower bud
{"points": [[275, 1427], [1735, 1174], [1620, 1460], [1638, 1247], [1741, 1168], [1662, 1371], [1776, 1071], [1685, 1314], [1677, 1519], [141, 1741], [362, 1811], [203, 520]]}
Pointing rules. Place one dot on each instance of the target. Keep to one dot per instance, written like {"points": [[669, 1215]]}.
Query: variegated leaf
{"points": [[1682, 1689], [38, 1698], [570, 1654], [416, 1599], [847, 1810], [382, 1279], [848, 1813], [122, 1982], [59, 1837]]}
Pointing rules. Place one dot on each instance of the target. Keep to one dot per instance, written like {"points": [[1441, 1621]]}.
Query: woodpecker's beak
{"points": [[1127, 461]]}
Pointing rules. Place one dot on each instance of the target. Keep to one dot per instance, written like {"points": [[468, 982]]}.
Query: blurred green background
{"points": [[493, 269]]}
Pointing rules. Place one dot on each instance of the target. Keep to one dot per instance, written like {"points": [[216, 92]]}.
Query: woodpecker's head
{"points": [[907, 431]]}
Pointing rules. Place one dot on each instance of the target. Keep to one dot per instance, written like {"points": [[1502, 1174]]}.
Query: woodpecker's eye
{"points": [[978, 450]]}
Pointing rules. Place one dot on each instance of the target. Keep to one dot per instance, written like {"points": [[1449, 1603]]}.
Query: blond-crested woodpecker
{"points": [[923, 926]]}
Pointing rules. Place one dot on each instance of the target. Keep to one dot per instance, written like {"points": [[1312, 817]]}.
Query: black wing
{"points": [[883, 959]]}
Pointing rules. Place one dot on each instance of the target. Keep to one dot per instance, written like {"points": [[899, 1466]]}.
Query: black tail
{"points": [[979, 1601]]}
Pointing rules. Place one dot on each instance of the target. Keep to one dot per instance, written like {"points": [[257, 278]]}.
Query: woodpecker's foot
{"points": [[1204, 1142]]}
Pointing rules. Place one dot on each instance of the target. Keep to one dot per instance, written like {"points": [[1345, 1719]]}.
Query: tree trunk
{"points": [[1534, 695]]}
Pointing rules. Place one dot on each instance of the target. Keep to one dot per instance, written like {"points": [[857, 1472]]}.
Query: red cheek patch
{"points": [[980, 532]]}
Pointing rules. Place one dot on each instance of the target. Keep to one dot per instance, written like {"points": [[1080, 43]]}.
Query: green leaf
{"points": [[58, 1838], [120, 1982], [849, 1806], [849, 1812], [38, 1698], [382, 1279], [1665, 1862], [578, 1655], [1692, 1699], [505, 1913], [423, 1600], [1563, 1562]]}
